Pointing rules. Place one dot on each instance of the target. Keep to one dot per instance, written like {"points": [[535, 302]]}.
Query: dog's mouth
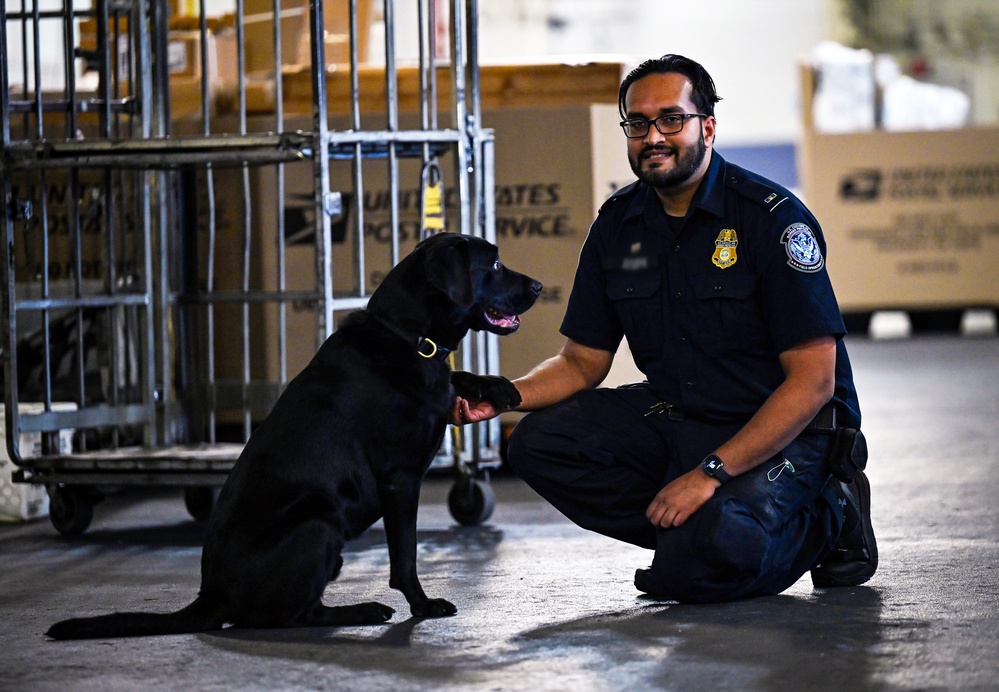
{"points": [[500, 319]]}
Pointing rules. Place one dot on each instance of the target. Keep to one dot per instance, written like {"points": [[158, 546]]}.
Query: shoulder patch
{"points": [[758, 192], [802, 247]]}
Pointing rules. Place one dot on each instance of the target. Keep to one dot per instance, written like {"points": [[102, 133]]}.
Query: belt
{"points": [[824, 421]]}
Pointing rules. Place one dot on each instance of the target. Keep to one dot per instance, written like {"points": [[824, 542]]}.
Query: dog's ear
{"points": [[447, 268]]}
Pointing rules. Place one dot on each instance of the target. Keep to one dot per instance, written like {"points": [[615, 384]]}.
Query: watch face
{"points": [[712, 466]]}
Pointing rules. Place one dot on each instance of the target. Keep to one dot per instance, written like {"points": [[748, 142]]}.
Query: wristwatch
{"points": [[715, 467]]}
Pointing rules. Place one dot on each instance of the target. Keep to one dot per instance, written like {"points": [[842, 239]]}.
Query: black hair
{"points": [[704, 95]]}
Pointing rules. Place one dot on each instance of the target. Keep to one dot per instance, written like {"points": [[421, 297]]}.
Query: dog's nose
{"points": [[536, 288]]}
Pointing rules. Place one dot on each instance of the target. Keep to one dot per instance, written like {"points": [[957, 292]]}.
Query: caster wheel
{"points": [[471, 501], [200, 501], [71, 509]]}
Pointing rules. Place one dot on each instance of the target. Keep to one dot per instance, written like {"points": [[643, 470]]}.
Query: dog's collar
{"points": [[425, 347]]}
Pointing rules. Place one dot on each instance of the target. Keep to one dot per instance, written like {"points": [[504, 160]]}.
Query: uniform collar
{"points": [[710, 195]]}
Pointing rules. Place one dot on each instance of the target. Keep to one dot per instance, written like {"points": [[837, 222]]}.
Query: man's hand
{"points": [[465, 412], [682, 497]]}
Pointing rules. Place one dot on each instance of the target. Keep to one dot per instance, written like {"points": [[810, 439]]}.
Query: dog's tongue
{"points": [[501, 320]]}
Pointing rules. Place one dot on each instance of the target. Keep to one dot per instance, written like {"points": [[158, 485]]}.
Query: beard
{"points": [[688, 160]]}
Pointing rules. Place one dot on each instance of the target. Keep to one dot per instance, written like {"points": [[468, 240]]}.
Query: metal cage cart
{"points": [[177, 242]]}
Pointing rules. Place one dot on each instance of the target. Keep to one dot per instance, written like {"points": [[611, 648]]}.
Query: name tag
{"points": [[631, 263]]}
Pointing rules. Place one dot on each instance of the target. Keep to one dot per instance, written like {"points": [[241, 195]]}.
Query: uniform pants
{"points": [[600, 460]]}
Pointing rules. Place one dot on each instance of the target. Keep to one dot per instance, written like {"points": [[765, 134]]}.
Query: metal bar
{"points": [[178, 151], [210, 307], [4, 98], [83, 302], [206, 114], [127, 104], [392, 124], [95, 416], [279, 207], [153, 477], [458, 99], [321, 172], [241, 63], [37, 68], [357, 172], [245, 284], [8, 359], [259, 296]]}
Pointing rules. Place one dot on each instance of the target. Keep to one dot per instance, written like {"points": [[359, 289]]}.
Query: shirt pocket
{"points": [[637, 299], [729, 316]]}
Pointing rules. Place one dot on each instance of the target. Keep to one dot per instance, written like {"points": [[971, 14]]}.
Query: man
{"points": [[720, 461]]}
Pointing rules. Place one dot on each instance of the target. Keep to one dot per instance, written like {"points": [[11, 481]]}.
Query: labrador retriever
{"points": [[347, 443]]}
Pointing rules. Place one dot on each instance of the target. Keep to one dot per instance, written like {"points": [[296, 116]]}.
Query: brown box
{"points": [[554, 167], [910, 218], [296, 49], [500, 85]]}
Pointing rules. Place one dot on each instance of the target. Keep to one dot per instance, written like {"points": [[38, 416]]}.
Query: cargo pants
{"points": [[601, 456]]}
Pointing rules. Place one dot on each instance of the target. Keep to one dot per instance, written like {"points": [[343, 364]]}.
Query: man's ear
{"points": [[448, 271]]}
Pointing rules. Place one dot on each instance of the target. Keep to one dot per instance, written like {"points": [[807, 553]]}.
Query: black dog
{"points": [[347, 442]]}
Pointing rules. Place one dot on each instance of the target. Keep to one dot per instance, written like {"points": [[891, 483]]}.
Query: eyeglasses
{"points": [[666, 124]]}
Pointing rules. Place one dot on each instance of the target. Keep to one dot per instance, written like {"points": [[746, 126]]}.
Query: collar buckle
{"points": [[424, 341]]}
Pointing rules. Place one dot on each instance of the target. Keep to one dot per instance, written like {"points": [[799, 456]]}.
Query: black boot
{"points": [[855, 558]]}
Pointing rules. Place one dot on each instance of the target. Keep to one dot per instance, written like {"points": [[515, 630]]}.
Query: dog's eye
{"points": [[497, 265]]}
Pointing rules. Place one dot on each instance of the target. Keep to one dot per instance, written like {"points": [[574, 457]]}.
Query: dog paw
{"points": [[433, 608], [495, 389], [373, 613]]}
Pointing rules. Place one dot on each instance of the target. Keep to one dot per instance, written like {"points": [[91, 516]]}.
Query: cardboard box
{"points": [[23, 501], [92, 192], [501, 86], [909, 217], [554, 167], [296, 47]]}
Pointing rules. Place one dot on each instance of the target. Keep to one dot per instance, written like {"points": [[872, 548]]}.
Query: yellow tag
{"points": [[433, 208], [725, 245]]}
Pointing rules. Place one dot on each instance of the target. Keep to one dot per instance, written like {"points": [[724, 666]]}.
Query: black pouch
{"points": [[848, 453]]}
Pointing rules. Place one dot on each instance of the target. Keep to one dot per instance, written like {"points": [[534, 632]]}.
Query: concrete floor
{"points": [[543, 605]]}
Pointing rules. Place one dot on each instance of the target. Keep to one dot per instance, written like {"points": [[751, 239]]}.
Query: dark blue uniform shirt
{"points": [[709, 303]]}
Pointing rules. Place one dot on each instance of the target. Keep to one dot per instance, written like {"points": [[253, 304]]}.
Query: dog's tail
{"points": [[201, 616]]}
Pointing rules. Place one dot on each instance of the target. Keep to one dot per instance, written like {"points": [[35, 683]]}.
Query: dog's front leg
{"points": [[400, 496]]}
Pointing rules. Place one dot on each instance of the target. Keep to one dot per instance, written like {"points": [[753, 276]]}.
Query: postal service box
{"points": [[554, 167]]}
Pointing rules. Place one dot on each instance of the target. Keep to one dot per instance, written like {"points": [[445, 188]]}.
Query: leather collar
{"points": [[425, 347]]}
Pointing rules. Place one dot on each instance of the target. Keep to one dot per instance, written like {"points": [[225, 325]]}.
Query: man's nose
{"points": [[654, 135]]}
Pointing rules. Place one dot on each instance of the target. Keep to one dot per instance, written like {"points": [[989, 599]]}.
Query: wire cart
{"points": [[176, 245]]}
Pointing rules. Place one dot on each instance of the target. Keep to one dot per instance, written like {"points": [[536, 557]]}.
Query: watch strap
{"points": [[715, 467]]}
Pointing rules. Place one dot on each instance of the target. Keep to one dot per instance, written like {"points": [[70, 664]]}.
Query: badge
{"points": [[725, 244], [802, 248]]}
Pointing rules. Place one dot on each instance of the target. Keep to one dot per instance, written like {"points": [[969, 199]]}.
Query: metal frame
{"points": [[96, 183]]}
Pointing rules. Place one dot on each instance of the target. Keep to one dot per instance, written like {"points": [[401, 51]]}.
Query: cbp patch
{"points": [[802, 248]]}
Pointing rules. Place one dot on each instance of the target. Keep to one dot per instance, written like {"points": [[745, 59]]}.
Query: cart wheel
{"points": [[471, 501], [71, 509], [200, 501]]}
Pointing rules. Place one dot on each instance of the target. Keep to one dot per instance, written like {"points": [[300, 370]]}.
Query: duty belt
{"points": [[824, 421]]}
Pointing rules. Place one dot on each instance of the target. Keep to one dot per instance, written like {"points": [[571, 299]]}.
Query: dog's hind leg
{"points": [[337, 567], [319, 615]]}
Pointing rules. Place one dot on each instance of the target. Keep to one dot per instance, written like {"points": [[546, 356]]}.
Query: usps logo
{"points": [[802, 248]]}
